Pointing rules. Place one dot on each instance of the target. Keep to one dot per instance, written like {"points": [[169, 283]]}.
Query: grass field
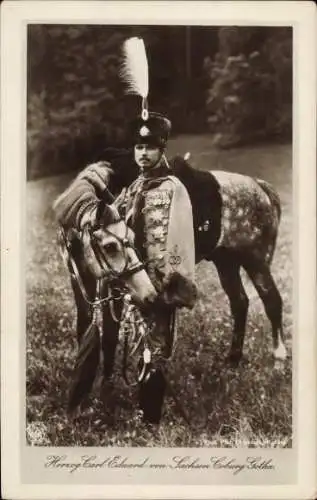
{"points": [[250, 405]]}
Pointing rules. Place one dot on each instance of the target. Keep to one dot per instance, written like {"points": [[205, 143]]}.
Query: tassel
{"points": [[135, 72]]}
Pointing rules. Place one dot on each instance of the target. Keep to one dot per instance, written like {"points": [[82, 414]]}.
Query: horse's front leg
{"points": [[110, 335], [82, 379], [83, 309], [229, 274]]}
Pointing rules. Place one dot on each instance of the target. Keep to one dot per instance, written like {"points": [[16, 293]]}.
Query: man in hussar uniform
{"points": [[157, 207]]}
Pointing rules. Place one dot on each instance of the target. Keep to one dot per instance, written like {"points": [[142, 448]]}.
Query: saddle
{"points": [[205, 197]]}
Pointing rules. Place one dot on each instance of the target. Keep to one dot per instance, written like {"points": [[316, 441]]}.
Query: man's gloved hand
{"points": [[97, 174]]}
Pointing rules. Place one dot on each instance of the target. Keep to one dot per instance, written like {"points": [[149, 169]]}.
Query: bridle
{"points": [[112, 277], [124, 243]]}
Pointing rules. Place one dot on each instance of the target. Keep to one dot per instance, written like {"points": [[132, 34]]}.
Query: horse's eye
{"points": [[110, 248]]}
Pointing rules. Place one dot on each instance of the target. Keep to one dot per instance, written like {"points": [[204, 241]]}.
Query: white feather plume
{"points": [[134, 70]]}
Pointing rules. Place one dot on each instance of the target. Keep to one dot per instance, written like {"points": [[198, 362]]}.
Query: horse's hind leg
{"points": [[263, 281], [228, 269]]}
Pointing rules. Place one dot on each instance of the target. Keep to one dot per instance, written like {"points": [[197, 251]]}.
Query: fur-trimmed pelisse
{"points": [[166, 241]]}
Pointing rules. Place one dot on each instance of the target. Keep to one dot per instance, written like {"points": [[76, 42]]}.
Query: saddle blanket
{"points": [[229, 209], [246, 212]]}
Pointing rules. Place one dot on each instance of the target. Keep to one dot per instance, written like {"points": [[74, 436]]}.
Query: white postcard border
{"points": [[13, 155]]}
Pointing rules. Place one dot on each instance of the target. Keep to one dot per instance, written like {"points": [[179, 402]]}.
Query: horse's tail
{"points": [[273, 196], [276, 204]]}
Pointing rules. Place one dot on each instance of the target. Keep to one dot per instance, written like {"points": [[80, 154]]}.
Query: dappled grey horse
{"points": [[236, 221]]}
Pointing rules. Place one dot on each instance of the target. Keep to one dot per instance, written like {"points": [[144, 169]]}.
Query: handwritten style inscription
{"points": [[219, 463]]}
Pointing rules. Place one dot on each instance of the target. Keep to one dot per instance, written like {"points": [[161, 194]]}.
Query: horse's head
{"points": [[111, 255]]}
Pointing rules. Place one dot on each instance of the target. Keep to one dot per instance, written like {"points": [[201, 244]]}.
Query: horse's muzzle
{"points": [[147, 303], [141, 289]]}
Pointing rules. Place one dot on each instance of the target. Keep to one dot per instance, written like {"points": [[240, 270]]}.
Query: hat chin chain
{"points": [[165, 160]]}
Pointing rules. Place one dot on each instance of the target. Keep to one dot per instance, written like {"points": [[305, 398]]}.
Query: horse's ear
{"points": [[114, 212], [106, 214]]}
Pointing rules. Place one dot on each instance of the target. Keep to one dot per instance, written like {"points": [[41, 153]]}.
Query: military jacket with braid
{"points": [[157, 207]]}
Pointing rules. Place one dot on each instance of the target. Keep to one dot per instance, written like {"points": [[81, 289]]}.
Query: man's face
{"points": [[146, 156]]}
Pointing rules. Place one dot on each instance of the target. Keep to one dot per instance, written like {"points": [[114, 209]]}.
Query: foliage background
{"points": [[232, 82]]}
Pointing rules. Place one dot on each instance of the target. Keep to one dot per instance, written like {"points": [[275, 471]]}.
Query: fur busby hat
{"points": [[150, 127], [155, 130]]}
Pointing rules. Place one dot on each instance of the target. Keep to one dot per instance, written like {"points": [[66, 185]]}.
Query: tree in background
{"points": [[76, 103], [74, 97], [250, 94]]}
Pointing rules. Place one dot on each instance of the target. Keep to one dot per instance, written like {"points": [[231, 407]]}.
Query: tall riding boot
{"points": [[151, 396]]}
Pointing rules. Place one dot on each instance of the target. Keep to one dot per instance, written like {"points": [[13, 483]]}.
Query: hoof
{"points": [[74, 413], [234, 359], [151, 422], [280, 353], [107, 393], [279, 365]]}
